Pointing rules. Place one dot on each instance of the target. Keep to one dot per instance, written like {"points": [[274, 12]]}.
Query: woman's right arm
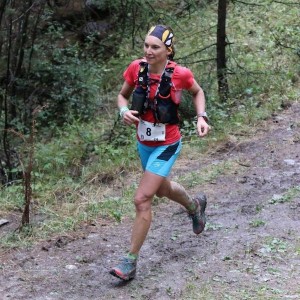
{"points": [[127, 115]]}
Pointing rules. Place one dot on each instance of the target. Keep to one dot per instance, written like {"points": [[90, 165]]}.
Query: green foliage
{"points": [[12, 198], [70, 85], [285, 197], [21, 238], [257, 223], [67, 171], [79, 147], [208, 174], [274, 245]]}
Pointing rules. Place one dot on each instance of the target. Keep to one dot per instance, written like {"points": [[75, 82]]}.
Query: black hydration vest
{"points": [[163, 108]]}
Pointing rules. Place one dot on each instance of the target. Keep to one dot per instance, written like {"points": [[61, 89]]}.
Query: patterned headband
{"points": [[164, 34]]}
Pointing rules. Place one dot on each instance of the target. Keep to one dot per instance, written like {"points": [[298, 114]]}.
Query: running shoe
{"points": [[198, 217], [126, 269]]}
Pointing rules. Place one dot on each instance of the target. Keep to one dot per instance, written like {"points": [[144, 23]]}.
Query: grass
{"points": [[16, 239], [209, 173], [251, 267], [219, 290], [65, 209], [257, 223], [274, 245], [288, 196]]}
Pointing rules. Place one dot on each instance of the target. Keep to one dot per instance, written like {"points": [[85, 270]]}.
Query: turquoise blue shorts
{"points": [[159, 159]]}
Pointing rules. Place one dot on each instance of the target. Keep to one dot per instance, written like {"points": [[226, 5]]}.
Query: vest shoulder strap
{"points": [[143, 72], [144, 66], [169, 69], [171, 64]]}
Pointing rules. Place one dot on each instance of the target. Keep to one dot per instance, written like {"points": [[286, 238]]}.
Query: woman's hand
{"points": [[129, 117], [202, 127]]}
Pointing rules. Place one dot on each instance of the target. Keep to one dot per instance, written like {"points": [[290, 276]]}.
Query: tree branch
{"points": [[279, 43], [247, 3], [274, 1], [286, 3], [198, 61], [196, 52]]}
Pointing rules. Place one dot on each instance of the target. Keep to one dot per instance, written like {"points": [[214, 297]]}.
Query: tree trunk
{"points": [[223, 87], [2, 10]]}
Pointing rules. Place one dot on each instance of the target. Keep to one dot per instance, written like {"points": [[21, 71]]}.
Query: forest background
{"points": [[63, 148]]}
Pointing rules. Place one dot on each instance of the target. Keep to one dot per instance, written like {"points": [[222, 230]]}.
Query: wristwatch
{"points": [[203, 115]]}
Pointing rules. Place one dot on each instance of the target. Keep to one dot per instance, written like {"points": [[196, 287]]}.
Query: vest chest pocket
{"points": [[167, 111]]}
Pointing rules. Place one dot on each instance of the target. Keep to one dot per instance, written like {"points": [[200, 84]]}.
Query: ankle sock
{"points": [[192, 207], [132, 256]]}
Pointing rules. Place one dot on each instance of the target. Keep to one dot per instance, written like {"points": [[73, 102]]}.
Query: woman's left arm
{"points": [[199, 103]]}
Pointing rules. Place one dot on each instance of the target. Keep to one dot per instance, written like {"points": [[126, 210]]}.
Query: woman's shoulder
{"points": [[182, 71], [137, 62], [131, 72], [182, 78]]}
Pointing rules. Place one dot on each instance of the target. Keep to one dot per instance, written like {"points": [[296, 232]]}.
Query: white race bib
{"points": [[149, 132]]}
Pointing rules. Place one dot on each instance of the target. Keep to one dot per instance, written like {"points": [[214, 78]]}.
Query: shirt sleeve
{"points": [[130, 75], [189, 78], [183, 78]]}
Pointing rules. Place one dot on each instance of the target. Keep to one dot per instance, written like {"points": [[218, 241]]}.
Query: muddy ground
{"points": [[250, 248]]}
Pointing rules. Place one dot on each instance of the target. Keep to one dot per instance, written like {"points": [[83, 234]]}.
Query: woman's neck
{"points": [[158, 69]]}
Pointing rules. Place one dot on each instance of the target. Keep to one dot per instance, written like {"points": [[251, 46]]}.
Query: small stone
{"points": [[71, 267], [277, 197], [3, 222], [93, 236], [290, 162]]}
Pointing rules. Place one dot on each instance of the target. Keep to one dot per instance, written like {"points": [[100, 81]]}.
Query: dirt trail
{"points": [[249, 250]]}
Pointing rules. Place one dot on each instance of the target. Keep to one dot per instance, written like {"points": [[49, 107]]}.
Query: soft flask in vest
{"points": [[138, 100]]}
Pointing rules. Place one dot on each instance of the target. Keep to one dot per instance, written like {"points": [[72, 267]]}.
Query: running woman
{"points": [[156, 83]]}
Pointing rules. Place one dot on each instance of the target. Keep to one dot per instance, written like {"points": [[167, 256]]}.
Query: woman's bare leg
{"points": [[149, 185], [195, 207], [176, 192]]}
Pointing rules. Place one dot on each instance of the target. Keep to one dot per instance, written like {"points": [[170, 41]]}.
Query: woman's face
{"points": [[155, 50]]}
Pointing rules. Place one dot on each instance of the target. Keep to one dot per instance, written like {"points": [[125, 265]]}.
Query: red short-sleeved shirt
{"points": [[182, 79]]}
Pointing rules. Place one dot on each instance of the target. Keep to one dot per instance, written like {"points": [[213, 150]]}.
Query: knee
{"points": [[142, 202]]}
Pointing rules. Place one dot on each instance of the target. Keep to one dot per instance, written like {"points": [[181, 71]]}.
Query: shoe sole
{"points": [[121, 276]]}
